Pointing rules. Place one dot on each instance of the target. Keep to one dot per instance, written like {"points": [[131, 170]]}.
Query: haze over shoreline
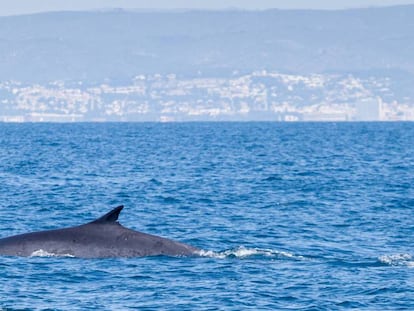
{"points": [[24, 7], [122, 65]]}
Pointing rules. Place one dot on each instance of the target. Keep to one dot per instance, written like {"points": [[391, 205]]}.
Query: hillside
{"points": [[121, 44], [208, 65]]}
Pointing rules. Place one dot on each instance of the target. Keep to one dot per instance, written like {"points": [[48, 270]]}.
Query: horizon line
{"points": [[186, 10]]}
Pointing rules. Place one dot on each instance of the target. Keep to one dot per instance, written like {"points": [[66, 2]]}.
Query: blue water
{"points": [[311, 216]]}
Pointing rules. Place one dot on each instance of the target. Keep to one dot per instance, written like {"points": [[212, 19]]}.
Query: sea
{"points": [[290, 216]]}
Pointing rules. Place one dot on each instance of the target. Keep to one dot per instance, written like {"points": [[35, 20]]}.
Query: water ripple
{"points": [[323, 211]]}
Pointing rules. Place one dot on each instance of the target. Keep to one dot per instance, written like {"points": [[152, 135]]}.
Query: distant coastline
{"points": [[227, 65], [259, 96]]}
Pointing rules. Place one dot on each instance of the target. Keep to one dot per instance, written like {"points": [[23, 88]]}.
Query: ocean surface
{"points": [[292, 216]]}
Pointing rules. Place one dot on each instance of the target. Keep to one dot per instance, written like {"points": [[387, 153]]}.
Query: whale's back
{"points": [[104, 237]]}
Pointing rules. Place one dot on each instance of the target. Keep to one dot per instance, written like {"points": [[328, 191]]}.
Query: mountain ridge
{"points": [[121, 44]]}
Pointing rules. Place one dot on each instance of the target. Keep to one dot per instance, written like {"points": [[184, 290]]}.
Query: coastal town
{"points": [[256, 96]]}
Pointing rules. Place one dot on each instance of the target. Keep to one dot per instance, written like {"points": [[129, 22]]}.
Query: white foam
{"points": [[243, 252], [397, 260], [43, 253]]}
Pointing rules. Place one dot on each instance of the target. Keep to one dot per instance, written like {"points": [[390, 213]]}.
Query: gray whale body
{"points": [[101, 238]]}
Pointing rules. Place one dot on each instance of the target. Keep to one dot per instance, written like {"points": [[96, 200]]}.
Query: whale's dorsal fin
{"points": [[110, 217]]}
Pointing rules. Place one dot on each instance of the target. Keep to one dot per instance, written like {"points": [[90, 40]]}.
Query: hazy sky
{"points": [[13, 7]]}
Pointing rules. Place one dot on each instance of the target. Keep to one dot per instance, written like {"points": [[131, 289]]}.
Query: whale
{"points": [[104, 237]]}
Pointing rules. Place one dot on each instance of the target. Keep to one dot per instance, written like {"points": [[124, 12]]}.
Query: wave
{"points": [[244, 252], [397, 260], [239, 252], [43, 253]]}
